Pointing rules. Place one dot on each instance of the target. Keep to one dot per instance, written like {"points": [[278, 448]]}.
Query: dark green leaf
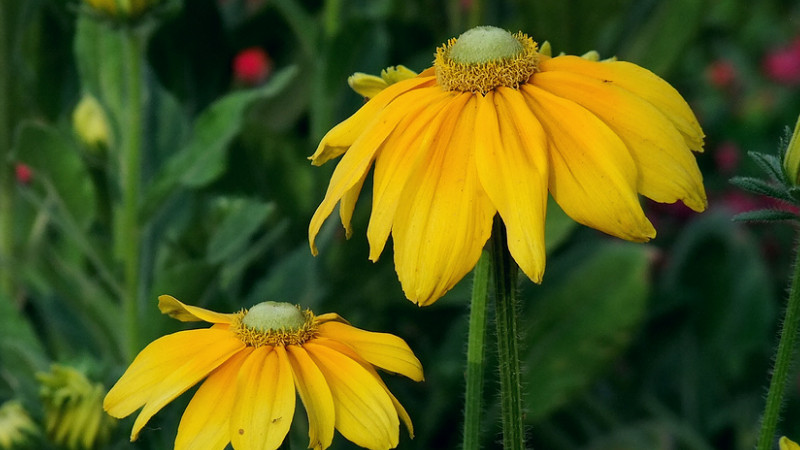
{"points": [[244, 218], [765, 215], [761, 187], [769, 164]]}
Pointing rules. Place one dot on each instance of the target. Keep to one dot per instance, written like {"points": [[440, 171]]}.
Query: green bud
{"points": [[91, 123], [483, 44], [791, 160], [268, 316]]}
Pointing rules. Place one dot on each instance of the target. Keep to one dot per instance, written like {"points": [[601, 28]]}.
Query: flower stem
{"points": [[130, 179], [475, 354], [7, 179], [506, 306], [783, 360]]}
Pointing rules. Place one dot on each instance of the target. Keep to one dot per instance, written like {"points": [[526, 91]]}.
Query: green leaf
{"points": [[582, 324], [21, 351], [761, 187], [765, 215], [53, 157], [244, 218], [770, 164]]}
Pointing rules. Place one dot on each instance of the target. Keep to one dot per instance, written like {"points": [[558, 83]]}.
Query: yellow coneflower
{"points": [[787, 444], [254, 362], [490, 129]]}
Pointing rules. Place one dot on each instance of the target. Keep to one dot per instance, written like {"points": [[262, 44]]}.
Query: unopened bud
{"points": [[791, 160], [91, 123]]}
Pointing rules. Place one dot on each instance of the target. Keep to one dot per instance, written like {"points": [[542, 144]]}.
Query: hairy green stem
{"points": [[475, 354], [7, 178], [783, 360], [506, 308], [130, 179]]}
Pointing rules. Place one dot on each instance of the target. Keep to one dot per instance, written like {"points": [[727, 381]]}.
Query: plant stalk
{"points": [[506, 309], [783, 361], [7, 177], [475, 354]]}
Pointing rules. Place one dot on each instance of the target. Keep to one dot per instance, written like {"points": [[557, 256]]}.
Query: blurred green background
{"points": [[665, 345]]}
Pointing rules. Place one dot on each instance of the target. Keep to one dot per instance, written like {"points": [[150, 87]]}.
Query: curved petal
{"points": [[165, 373], [163, 357], [357, 160], [206, 422], [592, 175], [398, 159], [668, 170], [444, 217], [640, 82], [384, 350], [365, 415], [327, 317], [265, 400], [511, 156], [316, 396], [170, 306], [348, 204], [342, 136]]}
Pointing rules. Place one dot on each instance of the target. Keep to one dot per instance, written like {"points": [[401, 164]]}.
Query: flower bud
{"points": [[252, 66], [791, 160], [23, 173], [121, 9], [369, 85], [91, 123]]}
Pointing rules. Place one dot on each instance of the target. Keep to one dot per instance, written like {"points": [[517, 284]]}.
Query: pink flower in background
{"points": [[783, 64], [721, 74], [23, 173], [252, 66], [726, 157]]}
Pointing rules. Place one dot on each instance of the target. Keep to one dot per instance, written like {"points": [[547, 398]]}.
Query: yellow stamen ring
{"points": [[485, 76], [257, 337]]}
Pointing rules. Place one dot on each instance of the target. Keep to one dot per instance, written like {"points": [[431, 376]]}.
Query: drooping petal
{"points": [[163, 357], [592, 175], [398, 159], [327, 317], [668, 170], [316, 396], [342, 136], [358, 158], [348, 204], [206, 422], [640, 82], [444, 217], [511, 156], [365, 414], [167, 368], [265, 400], [170, 306], [384, 350]]}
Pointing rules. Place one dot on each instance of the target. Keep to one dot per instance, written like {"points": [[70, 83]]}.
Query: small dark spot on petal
{"points": [[607, 81], [277, 419], [241, 430]]}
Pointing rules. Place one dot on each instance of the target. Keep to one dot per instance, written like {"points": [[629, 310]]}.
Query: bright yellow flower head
{"points": [[254, 362], [787, 444], [490, 129]]}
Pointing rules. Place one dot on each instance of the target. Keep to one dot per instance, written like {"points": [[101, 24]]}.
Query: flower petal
{"points": [[399, 158], [365, 415], [511, 156], [357, 160], [348, 204], [170, 306], [640, 82], [342, 136], [592, 175], [444, 217], [265, 400], [206, 422], [384, 350], [316, 396], [668, 170], [165, 369]]}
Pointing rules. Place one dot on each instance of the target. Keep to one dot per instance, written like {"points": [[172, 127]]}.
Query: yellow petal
{"points": [[399, 157], [787, 444], [327, 317], [365, 415], [170, 306], [668, 170], [162, 357], [316, 396], [348, 204], [206, 422], [342, 136], [356, 162], [511, 156], [444, 217], [592, 175], [265, 400], [384, 350], [366, 85], [640, 82]]}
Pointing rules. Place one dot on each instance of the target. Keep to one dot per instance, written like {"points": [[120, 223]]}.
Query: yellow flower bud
{"points": [[785, 443], [369, 85], [91, 124], [791, 160]]}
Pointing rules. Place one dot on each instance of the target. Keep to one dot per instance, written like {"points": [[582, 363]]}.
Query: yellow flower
{"points": [[90, 123], [787, 444], [490, 129], [369, 85], [252, 362]]}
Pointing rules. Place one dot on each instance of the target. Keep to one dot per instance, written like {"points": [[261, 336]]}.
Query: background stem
{"points": [[783, 360], [505, 287], [475, 354], [7, 176]]}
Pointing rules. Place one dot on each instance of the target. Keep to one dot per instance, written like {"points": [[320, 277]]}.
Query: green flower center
{"points": [[484, 44], [275, 323]]}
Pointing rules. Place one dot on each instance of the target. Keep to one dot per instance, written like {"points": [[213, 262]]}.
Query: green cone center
{"points": [[274, 316], [484, 44]]}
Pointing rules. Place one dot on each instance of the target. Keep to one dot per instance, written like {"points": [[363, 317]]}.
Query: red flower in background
{"points": [[23, 173], [783, 64], [726, 157], [252, 66], [721, 74]]}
